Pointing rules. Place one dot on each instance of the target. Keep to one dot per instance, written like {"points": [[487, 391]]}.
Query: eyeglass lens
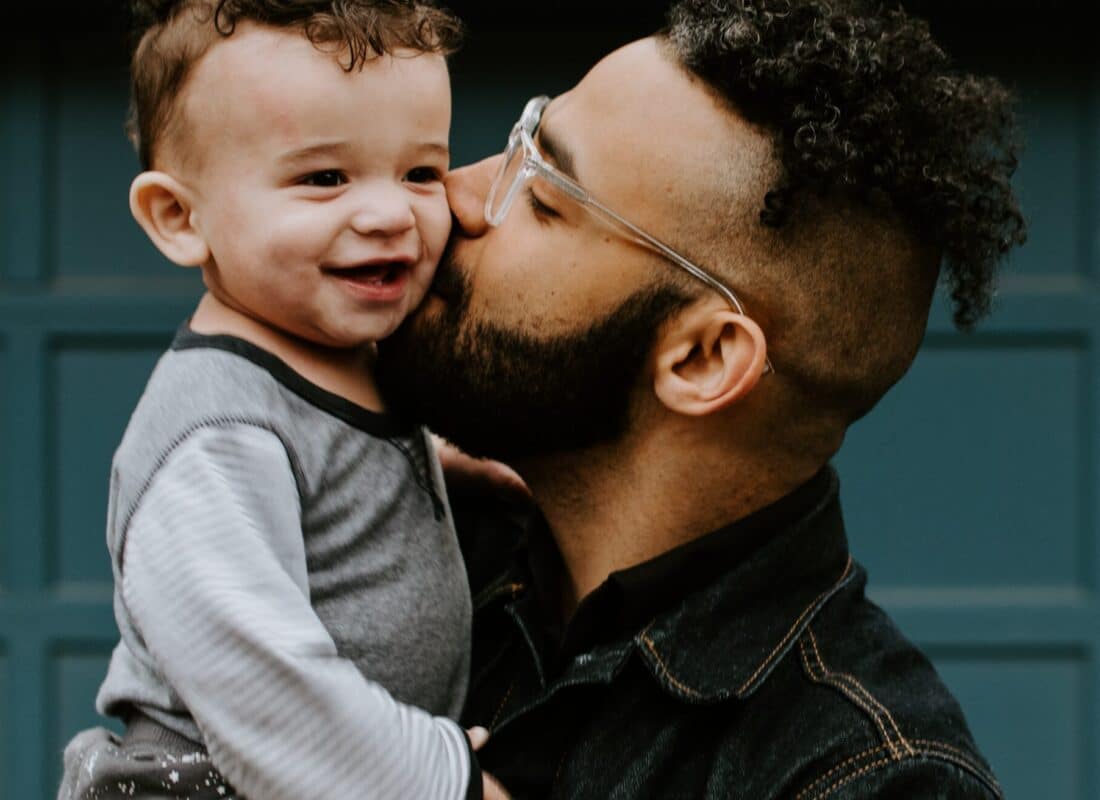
{"points": [[505, 186]]}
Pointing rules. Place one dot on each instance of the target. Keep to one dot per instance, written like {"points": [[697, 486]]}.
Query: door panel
{"points": [[970, 492]]}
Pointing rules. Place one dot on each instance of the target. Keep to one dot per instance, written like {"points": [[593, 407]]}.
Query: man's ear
{"points": [[708, 358], [162, 206]]}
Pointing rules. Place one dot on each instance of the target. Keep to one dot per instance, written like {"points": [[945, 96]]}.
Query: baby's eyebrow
{"points": [[436, 147], [341, 147], [313, 150]]}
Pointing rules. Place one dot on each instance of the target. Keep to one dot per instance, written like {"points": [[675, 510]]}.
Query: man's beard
{"points": [[505, 394]]}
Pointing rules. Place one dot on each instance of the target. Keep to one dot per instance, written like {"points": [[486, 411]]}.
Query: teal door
{"points": [[971, 493]]}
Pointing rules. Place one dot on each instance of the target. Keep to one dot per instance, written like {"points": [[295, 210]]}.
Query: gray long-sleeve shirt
{"points": [[288, 586]]}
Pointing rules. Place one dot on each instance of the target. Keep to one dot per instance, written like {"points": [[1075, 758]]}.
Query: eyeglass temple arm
{"points": [[581, 195], [644, 239]]}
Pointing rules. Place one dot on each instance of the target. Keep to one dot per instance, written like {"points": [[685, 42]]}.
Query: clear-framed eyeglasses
{"points": [[523, 162]]}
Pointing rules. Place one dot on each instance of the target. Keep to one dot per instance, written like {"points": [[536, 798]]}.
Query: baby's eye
{"points": [[424, 175], [325, 178]]}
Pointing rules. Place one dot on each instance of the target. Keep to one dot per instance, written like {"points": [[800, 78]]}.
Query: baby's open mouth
{"points": [[372, 274]]}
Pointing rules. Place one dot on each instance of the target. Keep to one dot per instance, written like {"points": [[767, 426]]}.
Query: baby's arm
{"points": [[214, 575]]}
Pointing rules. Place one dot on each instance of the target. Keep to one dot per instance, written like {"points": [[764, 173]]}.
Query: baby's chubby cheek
{"points": [[437, 228], [435, 232]]}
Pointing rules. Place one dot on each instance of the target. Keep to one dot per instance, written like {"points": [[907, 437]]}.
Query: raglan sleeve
{"points": [[214, 576]]}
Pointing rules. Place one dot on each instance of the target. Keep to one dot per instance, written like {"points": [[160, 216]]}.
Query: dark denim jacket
{"points": [[775, 679]]}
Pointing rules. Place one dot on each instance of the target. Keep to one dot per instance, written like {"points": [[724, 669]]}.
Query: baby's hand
{"points": [[476, 475], [490, 789], [478, 736]]}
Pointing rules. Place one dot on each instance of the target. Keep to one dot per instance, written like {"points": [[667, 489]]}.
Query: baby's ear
{"points": [[162, 207]]}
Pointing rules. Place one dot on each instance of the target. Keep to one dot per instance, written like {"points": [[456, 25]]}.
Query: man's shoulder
{"points": [[867, 714], [921, 777]]}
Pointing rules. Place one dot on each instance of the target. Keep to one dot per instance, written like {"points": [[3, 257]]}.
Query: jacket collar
{"points": [[724, 640], [721, 640]]}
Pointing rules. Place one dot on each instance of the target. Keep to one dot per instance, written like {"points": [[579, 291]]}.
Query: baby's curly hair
{"points": [[171, 36], [862, 100]]}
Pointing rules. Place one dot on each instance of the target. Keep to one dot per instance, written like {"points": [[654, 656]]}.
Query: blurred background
{"points": [[970, 493]]}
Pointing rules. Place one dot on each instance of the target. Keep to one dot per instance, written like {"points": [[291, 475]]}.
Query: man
{"points": [[664, 304]]}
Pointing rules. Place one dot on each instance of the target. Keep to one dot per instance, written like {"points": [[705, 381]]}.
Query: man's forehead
{"points": [[639, 120]]}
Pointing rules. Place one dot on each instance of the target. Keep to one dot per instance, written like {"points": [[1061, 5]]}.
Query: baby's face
{"points": [[318, 191]]}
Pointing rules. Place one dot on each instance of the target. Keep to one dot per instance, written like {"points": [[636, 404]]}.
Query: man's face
{"points": [[318, 191], [536, 333]]}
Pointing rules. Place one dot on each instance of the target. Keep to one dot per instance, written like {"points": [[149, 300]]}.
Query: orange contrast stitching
{"points": [[823, 676], [664, 668], [962, 757], [497, 591], [948, 753], [503, 703], [840, 767], [943, 745], [859, 773], [791, 632], [866, 695], [870, 698]]}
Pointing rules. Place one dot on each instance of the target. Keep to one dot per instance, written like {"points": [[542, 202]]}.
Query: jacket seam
{"points": [[855, 692], [684, 688], [851, 680], [956, 755], [859, 773], [869, 752], [776, 652], [496, 590], [947, 753], [795, 627], [503, 703]]}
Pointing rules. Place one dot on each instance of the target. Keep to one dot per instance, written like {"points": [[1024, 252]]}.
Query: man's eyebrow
{"points": [[557, 152]]}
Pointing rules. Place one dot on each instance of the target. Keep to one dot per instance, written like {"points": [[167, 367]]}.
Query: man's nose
{"points": [[467, 188], [383, 211]]}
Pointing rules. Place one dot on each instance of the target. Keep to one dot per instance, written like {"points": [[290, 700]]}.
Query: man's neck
{"points": [[615, 507]]}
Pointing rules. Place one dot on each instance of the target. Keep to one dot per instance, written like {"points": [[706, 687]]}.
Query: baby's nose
{"points": [[383, 213]]}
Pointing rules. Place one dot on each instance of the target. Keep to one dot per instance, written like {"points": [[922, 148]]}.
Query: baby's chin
{"points": [[418, 296]]}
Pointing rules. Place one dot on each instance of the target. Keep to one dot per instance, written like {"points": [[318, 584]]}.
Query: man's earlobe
{"points": [[162, 207], [708, 359]]}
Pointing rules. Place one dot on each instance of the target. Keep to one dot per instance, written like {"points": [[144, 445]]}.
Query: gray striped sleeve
{"points": [[215, 579]]}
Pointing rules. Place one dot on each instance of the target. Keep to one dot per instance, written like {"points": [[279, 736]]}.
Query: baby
{"points": [[293, 607]]}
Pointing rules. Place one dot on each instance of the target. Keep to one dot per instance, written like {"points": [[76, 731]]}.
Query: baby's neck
{"points": [[348, 373]]}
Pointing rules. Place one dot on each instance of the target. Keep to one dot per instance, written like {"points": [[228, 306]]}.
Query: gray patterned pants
{"points": [[148, 763]]}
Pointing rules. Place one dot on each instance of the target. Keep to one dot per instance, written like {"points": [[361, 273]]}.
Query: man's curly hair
{"points": [[861, 100], [171, 36]]}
